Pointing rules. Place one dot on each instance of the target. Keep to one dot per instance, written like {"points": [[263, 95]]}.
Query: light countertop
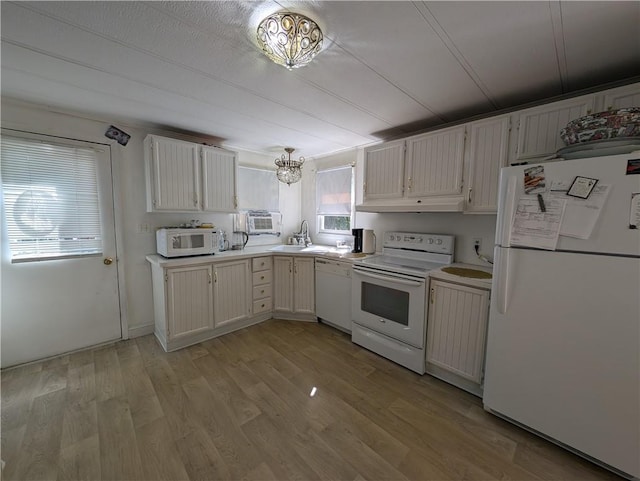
{"points": [[248, 252]]}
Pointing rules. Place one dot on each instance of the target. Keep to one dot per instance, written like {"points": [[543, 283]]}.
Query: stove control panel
{"points": [[442, 244]]}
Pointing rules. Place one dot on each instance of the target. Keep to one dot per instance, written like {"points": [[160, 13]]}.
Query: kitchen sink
{"points": [[287, 248], [295, 248]]}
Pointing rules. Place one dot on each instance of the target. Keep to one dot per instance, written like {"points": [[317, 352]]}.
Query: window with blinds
{"points": [[258, 189], [50, 196], [334, 200]]}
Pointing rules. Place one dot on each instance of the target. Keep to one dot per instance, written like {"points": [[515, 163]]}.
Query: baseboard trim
{"points": [[139, 331]]}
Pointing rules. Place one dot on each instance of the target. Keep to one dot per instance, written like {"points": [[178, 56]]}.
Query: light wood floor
{"points": [[239, 407]]}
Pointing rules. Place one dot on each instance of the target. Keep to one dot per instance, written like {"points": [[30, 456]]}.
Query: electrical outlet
{"points": [[477, 243]]}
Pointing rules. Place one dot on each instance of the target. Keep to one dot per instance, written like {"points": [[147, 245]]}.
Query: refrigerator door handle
{"points": [[501, 274], [509, 204]]}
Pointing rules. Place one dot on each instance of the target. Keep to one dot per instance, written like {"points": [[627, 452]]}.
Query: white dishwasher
{"points": [[333, 293]]}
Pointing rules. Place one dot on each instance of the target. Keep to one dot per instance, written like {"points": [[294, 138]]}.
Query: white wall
{"points": [[135, 226], [465, 227]]}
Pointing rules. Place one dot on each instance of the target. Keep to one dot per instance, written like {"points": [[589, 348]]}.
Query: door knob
{"points": [[108, 261]]}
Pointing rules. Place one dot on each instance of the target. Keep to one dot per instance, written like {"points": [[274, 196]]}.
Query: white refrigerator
{"points": [[563, 345]]}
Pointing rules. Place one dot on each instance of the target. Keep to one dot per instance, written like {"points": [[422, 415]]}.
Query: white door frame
{"points": [[114, 162]]}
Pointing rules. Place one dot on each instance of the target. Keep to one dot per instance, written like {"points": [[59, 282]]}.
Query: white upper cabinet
{"points": [[420, 174], [219, 180], [384, 170], [173, 182], [486, 155], [185, 177], [434, 163], [621, 97], [539, 127]]}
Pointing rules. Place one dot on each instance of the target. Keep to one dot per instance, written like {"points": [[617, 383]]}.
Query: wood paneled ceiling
{"points": [[387, 68]]}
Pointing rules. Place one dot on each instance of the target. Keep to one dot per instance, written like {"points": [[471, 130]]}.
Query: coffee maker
{"points": [[357, 239]]}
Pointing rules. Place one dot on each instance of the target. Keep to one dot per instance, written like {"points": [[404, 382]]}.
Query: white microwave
{"points": [[180, 242]]}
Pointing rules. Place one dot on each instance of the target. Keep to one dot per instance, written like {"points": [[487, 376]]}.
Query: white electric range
{"points": [[389, 295]]}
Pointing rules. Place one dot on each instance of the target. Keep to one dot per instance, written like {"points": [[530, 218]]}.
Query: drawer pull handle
{"points": [[261, 277], [262, 305]]}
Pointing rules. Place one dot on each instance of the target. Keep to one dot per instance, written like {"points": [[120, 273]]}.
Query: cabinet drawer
{"points": [[261, 305], [262, 277], [260, 292], [260, 264]]}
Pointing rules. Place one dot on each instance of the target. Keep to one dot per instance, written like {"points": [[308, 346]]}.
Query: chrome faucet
{"points": [[303, 235]]}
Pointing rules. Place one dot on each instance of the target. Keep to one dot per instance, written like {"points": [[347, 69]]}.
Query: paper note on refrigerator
{"points": [[531, 227], [580, 215]]}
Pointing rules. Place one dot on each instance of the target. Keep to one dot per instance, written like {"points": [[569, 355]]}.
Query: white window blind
{"points": [[50, 198], [333, 191], [258, 189]]}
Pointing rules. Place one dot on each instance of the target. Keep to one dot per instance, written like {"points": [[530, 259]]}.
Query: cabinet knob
{"points": [[261, 277]]}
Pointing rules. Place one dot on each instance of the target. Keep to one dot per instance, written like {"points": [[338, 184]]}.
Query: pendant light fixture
{"points": [[289, 170], [289, 39]]}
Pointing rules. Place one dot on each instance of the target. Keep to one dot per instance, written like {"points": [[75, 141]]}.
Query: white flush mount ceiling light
{"points": [[289, 170], [289, 39]]}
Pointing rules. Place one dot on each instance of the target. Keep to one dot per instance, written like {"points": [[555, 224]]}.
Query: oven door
{"points": [[391, 304]]}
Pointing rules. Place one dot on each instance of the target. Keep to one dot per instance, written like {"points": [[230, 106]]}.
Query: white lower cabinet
{"points": [[232, 292], [294, 287], [193, 303], [456, 334], [189, 301]]}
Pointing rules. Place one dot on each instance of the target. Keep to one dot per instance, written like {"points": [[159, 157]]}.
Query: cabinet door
{"points": [[456, 329], [539, 127], [304, 290], [189, 300], [232, 292], [219, 180], [622, 97], [434, 163], [487, 154], [173, 179], [283, 283], [384, 171]]}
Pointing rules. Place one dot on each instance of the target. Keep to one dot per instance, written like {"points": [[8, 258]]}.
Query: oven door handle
{"points": [[399, 280]]}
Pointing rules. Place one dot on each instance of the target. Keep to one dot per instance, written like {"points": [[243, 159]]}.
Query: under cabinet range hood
{"points": [[424, 204]]}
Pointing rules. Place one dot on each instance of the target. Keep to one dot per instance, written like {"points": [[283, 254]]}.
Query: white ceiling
{"points": [[387, 68]]}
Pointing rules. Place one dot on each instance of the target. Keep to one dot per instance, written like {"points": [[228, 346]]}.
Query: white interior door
{"points": [[66, 302]]}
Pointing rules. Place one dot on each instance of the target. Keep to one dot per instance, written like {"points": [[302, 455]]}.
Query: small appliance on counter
{"points": [[223, 243], [357, 240], [181, 242], [364, 240], [368, 241], [239, 240]]}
